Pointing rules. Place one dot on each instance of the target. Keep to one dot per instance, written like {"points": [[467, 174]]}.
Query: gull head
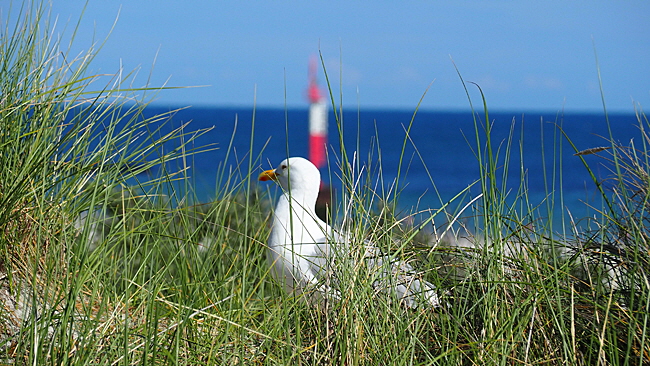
{"points": [[294, 174]]}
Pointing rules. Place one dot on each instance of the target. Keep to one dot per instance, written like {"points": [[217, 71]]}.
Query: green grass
{"points": [[100, 264]]}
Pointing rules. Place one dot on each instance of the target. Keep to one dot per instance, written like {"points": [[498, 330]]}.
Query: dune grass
{"points": [[107, 259]]}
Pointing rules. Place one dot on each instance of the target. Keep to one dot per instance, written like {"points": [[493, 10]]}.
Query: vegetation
{"points": [[103, 263]]}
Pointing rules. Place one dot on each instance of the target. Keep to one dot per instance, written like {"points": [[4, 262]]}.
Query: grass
{"points": [[103, 261]]}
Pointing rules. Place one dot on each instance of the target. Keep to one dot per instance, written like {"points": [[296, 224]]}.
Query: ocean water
{"points": [[440, 157]]}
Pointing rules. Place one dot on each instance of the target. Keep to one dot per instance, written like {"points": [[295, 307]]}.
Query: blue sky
{"points": [[525, 55]]}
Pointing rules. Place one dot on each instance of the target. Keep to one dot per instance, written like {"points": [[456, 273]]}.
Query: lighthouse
{"points": [[317, 119], [318, 138]]}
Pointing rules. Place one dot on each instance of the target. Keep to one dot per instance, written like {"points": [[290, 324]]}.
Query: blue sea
{"points": [[440, 157]]}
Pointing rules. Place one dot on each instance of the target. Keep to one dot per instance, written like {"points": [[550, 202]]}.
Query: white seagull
{"points": [[303, 250]]}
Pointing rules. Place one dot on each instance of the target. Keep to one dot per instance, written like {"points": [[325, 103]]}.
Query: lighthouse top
{"points": [[313, 92]]}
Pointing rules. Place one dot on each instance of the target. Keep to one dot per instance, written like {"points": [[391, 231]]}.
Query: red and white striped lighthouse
{"points": [[317, 119]]}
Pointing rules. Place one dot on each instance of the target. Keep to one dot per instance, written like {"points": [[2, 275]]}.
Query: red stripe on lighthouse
{"points": [[317, 149]]}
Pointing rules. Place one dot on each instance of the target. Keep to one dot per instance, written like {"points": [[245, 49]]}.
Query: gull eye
{"points": [[283, 167]]}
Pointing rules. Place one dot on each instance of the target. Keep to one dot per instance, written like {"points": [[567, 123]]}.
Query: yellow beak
{"points": [[268, 175]]}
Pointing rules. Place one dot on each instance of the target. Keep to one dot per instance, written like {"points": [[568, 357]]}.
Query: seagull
{"points": [[305, 253]]}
